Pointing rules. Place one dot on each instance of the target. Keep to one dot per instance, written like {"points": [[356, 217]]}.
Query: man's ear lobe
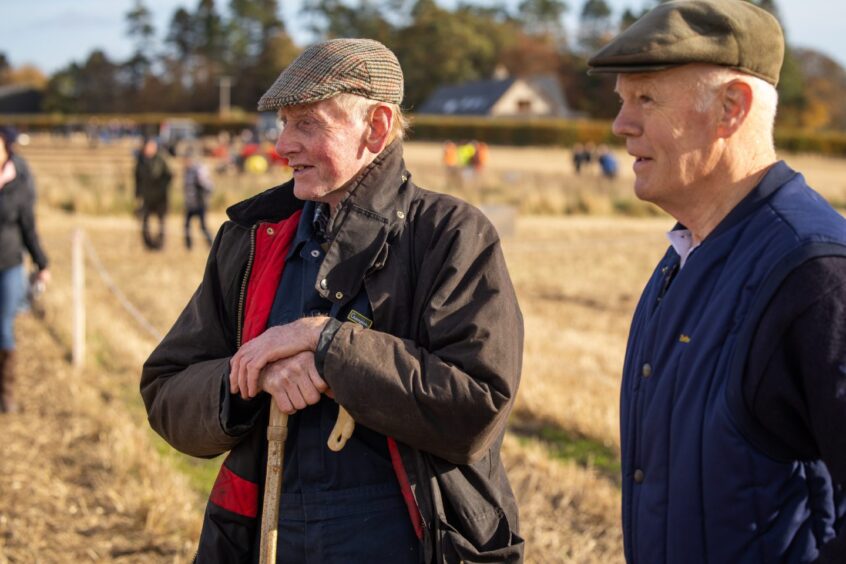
{"points": [[380, 121], [735, 106]]}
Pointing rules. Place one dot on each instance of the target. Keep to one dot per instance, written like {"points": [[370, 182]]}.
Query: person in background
{"points": [[480, 156], [733, 403], [578, 157], [607, 162], [588, 153], [197, 187], [152, 182], [17, 232]]}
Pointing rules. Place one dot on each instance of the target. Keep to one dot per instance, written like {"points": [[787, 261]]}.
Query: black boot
{"points": [[7, 381]]}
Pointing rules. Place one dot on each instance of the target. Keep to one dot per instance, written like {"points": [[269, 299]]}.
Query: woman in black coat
{"points": [[17, 231]]}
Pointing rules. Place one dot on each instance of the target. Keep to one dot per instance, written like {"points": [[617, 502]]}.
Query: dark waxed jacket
{"points": [[17, 219], [438, 372]]}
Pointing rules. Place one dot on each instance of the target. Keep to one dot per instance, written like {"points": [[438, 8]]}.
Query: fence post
{"points": [[78, 277]]}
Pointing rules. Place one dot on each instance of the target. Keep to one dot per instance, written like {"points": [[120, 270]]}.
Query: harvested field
{"points": [[77, 479], [84, 479], [569, 508]]}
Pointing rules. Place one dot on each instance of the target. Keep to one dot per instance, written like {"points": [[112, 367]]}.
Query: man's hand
{"points": [[276, 343], [293, 382]]}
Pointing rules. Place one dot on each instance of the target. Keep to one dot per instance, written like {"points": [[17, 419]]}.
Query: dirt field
{"points": [[83, 479]]}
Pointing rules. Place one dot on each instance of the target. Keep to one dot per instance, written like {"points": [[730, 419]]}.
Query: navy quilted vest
{"points": [[699, 483]]}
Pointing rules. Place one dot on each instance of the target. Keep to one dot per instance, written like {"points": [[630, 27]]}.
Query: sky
{"points": [[53, 33]]}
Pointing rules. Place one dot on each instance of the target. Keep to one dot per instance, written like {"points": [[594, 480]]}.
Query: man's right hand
{"points": [[293, 382], [276, 343]]}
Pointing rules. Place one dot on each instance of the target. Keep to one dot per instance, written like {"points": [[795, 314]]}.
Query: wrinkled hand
{"points": [[293, 382], [276, 343]]}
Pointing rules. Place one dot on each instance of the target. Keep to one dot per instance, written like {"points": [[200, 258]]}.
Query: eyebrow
{"points": [[298, 112]]}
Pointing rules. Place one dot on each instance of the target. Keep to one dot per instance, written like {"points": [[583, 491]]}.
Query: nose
{"points": [[625, 124], [285, 143]]}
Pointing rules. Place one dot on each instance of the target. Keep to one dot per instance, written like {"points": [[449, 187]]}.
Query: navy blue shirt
{"points": [[309, 464], [336, 507]]}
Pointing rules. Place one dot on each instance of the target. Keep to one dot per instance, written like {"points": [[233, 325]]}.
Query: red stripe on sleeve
{"points": [[234, 493]]}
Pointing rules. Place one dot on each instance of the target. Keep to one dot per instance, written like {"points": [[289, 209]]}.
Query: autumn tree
{"points": [[596, 27], [544, 18], [140, 30]]}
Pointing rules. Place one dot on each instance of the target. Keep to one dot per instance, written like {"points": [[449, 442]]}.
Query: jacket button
{"points": [[323, 284], [638, 476], [315, 253], [339, 295], [400, 214], [270, 231], [646, 370]]}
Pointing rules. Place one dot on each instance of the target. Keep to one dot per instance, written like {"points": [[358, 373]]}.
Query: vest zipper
{"points": [[243, 294]]}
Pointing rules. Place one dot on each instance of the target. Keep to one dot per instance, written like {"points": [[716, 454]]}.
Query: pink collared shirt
{"points": [[682, 242]]}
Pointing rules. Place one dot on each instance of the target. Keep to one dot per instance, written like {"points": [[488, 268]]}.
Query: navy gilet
{"points": [[701, 483]]}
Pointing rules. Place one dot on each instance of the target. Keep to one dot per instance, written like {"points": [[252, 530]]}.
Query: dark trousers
{"points": [[200, 214], [367, 524], [153, 242]]}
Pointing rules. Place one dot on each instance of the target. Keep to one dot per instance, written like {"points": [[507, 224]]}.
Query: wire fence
{"points": [[83, 248], [124, 302]]}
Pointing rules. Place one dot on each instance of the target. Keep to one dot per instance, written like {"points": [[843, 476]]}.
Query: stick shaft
{"points": [[277, 432]]}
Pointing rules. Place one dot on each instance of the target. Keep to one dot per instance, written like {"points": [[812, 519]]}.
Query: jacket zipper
{"points": [[243, 294]]}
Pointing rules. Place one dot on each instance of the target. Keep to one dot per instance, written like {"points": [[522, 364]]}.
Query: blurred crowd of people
{"points": [[246, 153], [464, 161], [586, 154]]}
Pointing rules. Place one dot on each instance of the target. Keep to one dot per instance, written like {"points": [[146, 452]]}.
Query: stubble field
{"points": [[82, 478]]}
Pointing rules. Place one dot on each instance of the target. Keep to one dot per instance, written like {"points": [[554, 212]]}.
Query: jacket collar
{"points": [[370, 216], [272, 205], [375, 189], [777, 176], [372, 213]]}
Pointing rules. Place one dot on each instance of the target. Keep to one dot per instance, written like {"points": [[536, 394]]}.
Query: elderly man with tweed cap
{"points": [[733, 398], [349, 286]]}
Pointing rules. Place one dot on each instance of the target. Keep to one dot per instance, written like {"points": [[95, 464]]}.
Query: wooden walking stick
{"points": [[277, 432]]}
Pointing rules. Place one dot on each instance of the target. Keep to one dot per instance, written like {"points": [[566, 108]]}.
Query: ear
{"points": [[736, 103], [380, 121]]}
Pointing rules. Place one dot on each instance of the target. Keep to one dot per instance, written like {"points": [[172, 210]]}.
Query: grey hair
{"points": [[359, 107], [764, 95]]}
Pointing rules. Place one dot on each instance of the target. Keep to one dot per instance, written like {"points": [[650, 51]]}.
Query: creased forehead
{"points": [[327, 111]]}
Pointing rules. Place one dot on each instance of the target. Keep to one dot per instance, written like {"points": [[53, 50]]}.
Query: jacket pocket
{"points": [[471, 523], [489, 538]]}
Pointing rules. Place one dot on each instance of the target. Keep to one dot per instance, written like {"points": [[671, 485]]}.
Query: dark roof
{"points": [[467, 99], [19, 99]]}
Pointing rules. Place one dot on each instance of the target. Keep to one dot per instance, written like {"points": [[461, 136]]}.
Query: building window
{"points": [[524, 106]]}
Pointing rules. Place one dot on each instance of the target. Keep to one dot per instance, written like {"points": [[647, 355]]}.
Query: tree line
{"points": [[247, 41]]}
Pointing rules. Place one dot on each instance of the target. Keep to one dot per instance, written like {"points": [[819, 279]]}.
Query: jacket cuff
{"points": [[325, 341], [237, 415]]}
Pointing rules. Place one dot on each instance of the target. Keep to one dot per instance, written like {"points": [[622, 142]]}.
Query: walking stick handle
{"points": [[343, 430], [277, 432]]}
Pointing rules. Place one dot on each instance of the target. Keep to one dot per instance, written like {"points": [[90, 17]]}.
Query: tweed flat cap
{"points": [[356, 66], [729, 33]]}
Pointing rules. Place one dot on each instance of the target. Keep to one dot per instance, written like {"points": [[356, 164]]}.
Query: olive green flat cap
{"points": [[355, 66], [729, 33]]}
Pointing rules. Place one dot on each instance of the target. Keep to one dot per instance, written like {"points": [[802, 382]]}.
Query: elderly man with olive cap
{"points": [[733, 399], [350, 286]]}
